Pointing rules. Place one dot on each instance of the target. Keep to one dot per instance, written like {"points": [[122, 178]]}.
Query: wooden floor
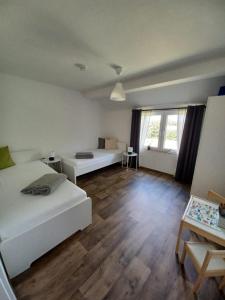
{"points": [[128, 251]]}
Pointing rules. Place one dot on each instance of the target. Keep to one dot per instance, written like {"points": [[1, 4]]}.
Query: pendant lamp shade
{"points": [[118, 93]]}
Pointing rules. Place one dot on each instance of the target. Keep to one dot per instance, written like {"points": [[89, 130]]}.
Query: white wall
{"points": [[210, 165], [47, 117], [160, 161], [117, 123]]}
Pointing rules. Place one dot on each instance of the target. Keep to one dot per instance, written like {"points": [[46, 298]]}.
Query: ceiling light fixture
{"points": [[118, 93]]}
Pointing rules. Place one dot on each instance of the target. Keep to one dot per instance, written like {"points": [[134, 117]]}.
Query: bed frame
{"points": [[72, 171], [20, 251]]}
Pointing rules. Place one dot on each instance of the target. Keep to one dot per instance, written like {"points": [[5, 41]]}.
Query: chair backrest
{"points": [[215, 197]]}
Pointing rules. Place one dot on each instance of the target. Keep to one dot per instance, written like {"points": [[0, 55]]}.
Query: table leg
{"points": [[179, 236], [127, 161]]}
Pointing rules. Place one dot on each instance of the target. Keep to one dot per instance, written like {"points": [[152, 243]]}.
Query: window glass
{"points": [[152, 136], [170, 137], [162, 130]]}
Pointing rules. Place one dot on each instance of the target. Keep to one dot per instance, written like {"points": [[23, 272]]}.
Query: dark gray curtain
{"points": [[189, 144], [135, 132]]}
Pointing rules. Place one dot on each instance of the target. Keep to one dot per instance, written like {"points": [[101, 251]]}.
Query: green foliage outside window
{"points": [[153, 130]]}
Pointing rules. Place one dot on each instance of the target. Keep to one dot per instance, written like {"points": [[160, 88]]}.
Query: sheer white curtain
{"points": [[145, 120], [180, 126]]}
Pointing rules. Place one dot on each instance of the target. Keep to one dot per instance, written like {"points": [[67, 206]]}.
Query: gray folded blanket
{"points": [[84, 155], [45, 185]]}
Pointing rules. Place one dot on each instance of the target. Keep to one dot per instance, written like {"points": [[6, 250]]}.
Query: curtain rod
{"points": [[169, 108], [172, 108]]}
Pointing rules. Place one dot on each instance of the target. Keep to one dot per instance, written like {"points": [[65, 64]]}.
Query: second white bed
{"points": [[102, 158]]}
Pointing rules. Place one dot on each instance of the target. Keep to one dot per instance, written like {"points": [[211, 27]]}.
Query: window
{"points": [[170, 138], [162, 130], [152, 138]]}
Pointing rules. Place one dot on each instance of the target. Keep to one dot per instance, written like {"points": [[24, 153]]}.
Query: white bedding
{"points": [[18, 212], [101, 156]]}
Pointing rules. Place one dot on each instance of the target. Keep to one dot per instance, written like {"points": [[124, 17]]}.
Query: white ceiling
{"points": [[192, 92], [42, 39]]}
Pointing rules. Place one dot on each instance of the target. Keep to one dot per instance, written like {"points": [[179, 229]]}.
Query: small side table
{"points": [[127, 155], [52, 163]]}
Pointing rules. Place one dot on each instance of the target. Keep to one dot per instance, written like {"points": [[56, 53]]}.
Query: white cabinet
{"points": [[210, 164]]}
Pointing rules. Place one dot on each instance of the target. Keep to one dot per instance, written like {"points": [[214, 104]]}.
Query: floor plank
{"points": [[130, 283], [129, 250], [109, 271]]}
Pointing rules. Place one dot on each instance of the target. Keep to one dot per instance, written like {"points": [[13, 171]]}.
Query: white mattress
{"points": [[101, 156], [19, 212]]}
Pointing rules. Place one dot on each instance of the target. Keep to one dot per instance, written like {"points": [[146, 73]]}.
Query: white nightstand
{"points": [[127, 155], [53, 163]]}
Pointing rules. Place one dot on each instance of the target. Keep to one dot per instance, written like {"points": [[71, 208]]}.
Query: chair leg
{"points": [[179, 237], [183, 255], [197, 283], [222, 283]]}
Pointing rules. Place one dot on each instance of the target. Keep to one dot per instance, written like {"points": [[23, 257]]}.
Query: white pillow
{"points": [[110, 143], [24, 156], [122, 146]]}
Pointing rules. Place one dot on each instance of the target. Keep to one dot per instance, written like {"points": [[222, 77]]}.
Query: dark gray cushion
{"points": [[101, 143], [45, 185], [84, 155]]}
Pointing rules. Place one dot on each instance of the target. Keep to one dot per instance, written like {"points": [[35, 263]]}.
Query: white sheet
{"points": [[19, 212], [100, 156]]}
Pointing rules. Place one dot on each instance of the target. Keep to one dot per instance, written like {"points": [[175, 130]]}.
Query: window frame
{"points": [[162, 131], [157, 113]]}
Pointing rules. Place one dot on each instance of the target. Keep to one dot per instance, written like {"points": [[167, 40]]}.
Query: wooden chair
{"points": [[208, 261]]}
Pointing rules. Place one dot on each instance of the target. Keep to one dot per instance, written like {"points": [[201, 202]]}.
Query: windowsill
{"points": [[162, 151]]}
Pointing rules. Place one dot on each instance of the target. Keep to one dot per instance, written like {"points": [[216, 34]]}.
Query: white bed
{"points": [[32, 225], [102, 158]]}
